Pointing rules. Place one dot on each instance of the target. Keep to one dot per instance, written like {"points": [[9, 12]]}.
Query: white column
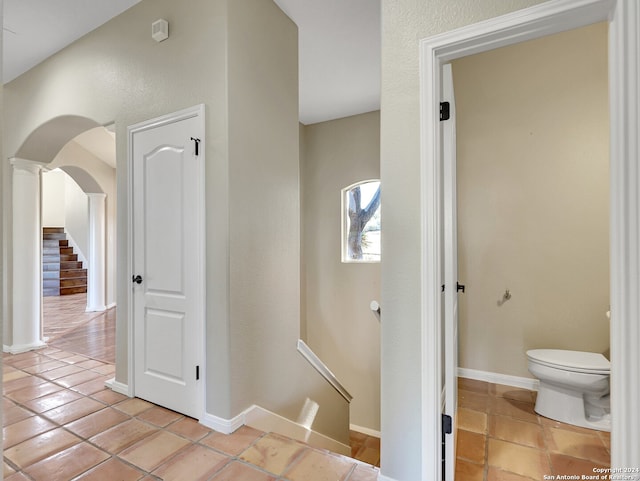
{"points": [[27, 257], [96, 286]]}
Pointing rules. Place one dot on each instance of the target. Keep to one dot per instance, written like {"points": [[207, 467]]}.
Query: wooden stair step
{"points": [[65, 291], [54, 236], [71, 273], [70, 265], [73, 281], [62, 273]]}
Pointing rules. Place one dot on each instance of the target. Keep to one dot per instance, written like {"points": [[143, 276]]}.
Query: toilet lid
{"points": [[578, 361]]}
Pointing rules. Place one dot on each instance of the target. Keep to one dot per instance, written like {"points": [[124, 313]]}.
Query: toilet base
{"points": [[570, 407]]}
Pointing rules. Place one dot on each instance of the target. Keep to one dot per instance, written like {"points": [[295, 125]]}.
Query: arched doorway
{"points": [[56, 143]]}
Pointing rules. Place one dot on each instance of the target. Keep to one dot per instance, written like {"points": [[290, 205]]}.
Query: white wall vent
{"points": [[160, 30]]}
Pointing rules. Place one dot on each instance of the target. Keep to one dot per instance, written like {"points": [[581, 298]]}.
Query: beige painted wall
{"points": [[341, 328], [265, 232], [533, 199], [53, 205], [239, 58], [404, 22]]}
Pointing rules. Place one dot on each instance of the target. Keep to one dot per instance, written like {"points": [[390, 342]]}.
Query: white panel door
{"points": [[168, 260], [450, 269]]}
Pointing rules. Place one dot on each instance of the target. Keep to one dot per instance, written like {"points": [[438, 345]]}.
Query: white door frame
{"points": [[196, 111], [624, 84]]}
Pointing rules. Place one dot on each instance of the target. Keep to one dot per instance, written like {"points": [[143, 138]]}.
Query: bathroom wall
{"points": [[340, 327], [533, 199]]}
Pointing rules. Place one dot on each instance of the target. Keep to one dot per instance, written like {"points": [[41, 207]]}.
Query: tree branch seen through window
{"points": [[362, 222]]}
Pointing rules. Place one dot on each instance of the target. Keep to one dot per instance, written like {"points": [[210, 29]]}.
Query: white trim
{"points": [[18, 349], [265, 420], [624, 101], [322, 368], [31, 166], [497, 378], [624, 71], [363, 430], [118, 387], [110, 306], [222, 425], [382, 477], [195, 111]]}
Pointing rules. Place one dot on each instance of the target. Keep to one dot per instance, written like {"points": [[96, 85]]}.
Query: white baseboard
{"points": [[363, 430], [109, 306], [20, 348], [496, 378], [264, 420], [222, 425], [117, 386], [382, 477], [95, 309]]}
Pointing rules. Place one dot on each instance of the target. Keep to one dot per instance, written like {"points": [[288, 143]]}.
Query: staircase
{"points": [[62, 273]]}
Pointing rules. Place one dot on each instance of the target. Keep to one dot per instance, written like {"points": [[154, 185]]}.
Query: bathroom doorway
{"points": [[536, 22], [533, 236]]}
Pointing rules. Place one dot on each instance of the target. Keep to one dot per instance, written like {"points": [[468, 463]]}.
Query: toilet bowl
{"points": [[574, 387]]}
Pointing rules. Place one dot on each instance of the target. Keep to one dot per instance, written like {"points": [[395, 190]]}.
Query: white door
{"points": [[168, 258], [450, 269]]}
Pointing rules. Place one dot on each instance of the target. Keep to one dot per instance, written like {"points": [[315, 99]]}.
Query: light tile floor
{"points": [[61, 424], [501, 438], [69, 328]]}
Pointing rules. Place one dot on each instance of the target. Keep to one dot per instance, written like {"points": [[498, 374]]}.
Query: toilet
{"points": [[574, 387]]}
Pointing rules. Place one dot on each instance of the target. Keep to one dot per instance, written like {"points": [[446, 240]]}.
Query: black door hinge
{"points": [[447, 424], [197, 373], [445, 113], [459, 287], [447, 428]]}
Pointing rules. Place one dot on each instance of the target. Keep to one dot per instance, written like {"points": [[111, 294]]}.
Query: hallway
{"points": [[62, 424], [69, 328]]}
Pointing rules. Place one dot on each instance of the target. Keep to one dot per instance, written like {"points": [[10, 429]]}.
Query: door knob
{"points": [[137, 279]]}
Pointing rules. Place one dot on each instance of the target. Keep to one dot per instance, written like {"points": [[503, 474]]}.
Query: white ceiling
{"points": [[339, 56], [339, 46]]}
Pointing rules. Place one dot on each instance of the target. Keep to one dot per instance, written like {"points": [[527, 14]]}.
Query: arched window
{"points": [[361, 222]]}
